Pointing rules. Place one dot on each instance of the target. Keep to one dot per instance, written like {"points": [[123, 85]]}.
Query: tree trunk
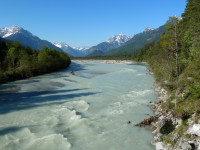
{"points": [[176, 51]]}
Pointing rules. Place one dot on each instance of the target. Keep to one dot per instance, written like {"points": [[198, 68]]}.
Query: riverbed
{"points": [[94, 109]]}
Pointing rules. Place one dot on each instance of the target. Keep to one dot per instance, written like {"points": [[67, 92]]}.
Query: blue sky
{"points": [[87, 22]]}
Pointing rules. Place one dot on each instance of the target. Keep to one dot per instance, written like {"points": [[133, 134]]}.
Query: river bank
{"points": [[170, 132]]}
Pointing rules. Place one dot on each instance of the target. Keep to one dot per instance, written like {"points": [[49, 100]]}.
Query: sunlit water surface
{"points": [[85, 111]]}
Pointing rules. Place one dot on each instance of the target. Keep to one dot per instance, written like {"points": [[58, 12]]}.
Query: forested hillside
{"points": [[18, 62], [175, 60]]}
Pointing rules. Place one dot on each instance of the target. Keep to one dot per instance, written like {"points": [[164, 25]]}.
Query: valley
{"points": [[98, 75]]}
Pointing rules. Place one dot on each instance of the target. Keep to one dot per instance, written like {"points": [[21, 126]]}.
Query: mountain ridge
{"points": [[26, 38], [137, 42], [78, 52], [113, 42], [111, 47]]}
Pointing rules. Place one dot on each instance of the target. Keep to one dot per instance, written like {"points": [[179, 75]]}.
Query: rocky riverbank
{"points": [[171, 133]]}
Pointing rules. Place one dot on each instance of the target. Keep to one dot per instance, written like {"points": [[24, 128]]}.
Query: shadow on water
{"points": [[64, 73], [59, 74], [10, 102], [8, 130], [77, 67]]}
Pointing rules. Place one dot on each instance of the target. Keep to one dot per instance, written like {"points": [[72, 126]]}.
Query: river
{"points": [[85, 111]]}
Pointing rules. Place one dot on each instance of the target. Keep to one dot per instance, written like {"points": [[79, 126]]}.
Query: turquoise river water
{"points": [[85, 111]]}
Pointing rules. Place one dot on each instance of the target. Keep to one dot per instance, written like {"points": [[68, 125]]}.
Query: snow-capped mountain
{"points": [[8, 31], [26, 38], [178, 17], [83, 48], [72, 51], [137, 42], [131, 36], [112, 43], [148, 29], [120, 39], [13, 30], [61, 45]]}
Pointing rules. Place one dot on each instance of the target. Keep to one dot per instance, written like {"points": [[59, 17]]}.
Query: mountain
{"points": [[15, 33], [72, 51], [148, 29], [83, 48], [137, 42], [113, 42]]}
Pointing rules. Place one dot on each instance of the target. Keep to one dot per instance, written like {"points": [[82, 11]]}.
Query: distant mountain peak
{"points": [[121, 34], [137, 42], [11, 30], [148, 29], [14, 27], [8, 31], [131, 36], [81, 48], [26, 38], [120, 39], [60, 45], [179, 18], [63, 45], [72, 51], [112, 43]]}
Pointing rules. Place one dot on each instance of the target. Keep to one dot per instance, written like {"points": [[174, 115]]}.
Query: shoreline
{"points": [[165, 128]]}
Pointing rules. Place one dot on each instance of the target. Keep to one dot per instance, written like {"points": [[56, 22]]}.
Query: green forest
{"points": [[175, 61], [18, 62]]}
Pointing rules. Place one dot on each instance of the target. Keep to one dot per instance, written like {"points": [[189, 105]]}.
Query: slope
{"points": [[113, 42], [14, 33], [137, 42]]}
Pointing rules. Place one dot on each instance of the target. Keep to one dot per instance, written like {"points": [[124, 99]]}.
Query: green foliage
{"points": [[171, 105], [17, 62], [184, 122], [182, 128], [167, 139], [175, 58]]}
